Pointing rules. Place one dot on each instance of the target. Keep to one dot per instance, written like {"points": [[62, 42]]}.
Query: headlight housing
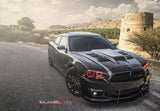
{"points": [[92, 74], [145, 67]]}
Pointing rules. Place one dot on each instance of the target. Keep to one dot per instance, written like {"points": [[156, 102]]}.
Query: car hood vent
{"points": [[126, 55], [110, 54], [99, 58]]}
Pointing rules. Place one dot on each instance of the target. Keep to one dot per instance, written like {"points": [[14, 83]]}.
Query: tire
{"points": [[49, 59], [73, 82]]}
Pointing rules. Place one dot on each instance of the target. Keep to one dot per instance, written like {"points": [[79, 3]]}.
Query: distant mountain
{"points": [[97, 23], [78, 26], [106, 24], [57, 27], [96, 20]]}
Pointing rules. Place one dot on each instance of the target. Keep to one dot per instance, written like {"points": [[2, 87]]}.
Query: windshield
{"points": [[87, 43]]}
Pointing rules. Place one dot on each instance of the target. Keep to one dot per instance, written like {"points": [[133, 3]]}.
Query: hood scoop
{"points": [[99, 58], [110, 54], [125, 54]]}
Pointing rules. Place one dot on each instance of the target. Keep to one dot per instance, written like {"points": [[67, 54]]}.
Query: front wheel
{"points": [[73, 82]]}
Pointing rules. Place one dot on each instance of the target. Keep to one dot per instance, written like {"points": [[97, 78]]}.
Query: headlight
{"points": [[92, 74]]}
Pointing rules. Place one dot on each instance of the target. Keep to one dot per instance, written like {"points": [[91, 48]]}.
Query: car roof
{"points": [[81, 34]]}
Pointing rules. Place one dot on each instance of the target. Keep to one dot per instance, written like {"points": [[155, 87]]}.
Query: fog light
{"points": [[94, 93]]}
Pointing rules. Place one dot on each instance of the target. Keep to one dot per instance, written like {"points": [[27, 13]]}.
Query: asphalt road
{"points": [[26, 78]]}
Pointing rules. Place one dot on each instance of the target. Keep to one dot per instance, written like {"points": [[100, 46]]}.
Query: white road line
{"points": [[155, 94]]}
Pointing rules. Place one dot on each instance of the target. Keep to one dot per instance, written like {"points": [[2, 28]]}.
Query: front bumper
{"points": [[112, 91]]}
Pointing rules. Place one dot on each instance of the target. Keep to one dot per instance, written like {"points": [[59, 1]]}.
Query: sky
{"points": [[45, 13]]}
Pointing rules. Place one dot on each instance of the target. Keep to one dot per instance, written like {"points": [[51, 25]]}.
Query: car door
{"points": [[63, 54], [54, 51]]}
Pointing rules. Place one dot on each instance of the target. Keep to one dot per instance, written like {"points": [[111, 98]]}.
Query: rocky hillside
{"points": [[156, 23], [98, 23], [106, 24]]}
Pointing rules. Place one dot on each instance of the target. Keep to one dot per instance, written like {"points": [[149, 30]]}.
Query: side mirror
{"points": [[115, 44], [61, 47]]}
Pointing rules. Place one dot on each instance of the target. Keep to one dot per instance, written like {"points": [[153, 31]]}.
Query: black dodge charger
{"points": [[96, 70]]}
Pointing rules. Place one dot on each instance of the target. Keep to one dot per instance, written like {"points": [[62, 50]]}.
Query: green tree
{"points": [[26, 24]]}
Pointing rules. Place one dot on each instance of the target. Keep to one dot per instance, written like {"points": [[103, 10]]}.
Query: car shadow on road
{"points": [[115, 105]]}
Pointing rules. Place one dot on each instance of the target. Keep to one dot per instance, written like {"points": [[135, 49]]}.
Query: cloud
{"points": [[41, 11], [50, 12], [116, 12], [149, 6], [100, 12]]}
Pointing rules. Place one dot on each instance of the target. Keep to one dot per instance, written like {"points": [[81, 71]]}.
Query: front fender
{"points": [[80, 67]]}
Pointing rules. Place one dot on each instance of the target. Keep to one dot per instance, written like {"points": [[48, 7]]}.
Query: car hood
{"points": [[110, 60]]}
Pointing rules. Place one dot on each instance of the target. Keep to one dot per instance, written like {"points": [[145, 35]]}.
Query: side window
{"points": [[57, 40], [64, 41]]}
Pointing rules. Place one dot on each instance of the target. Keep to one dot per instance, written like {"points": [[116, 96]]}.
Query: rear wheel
{"points": [[73, 81]]}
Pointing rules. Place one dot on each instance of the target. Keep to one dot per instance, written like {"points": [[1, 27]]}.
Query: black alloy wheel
{"points": [[73, 82]]}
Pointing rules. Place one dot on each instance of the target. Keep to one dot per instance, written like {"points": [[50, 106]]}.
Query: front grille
{"points": [[128, 76], [135, 75], [125, 92], [121, 77]]}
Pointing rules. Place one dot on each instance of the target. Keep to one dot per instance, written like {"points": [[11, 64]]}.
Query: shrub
{"points": [[148, 41], [107, 33]]}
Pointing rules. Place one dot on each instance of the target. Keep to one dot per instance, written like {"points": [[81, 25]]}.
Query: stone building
{"points": [[133, 22]]}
